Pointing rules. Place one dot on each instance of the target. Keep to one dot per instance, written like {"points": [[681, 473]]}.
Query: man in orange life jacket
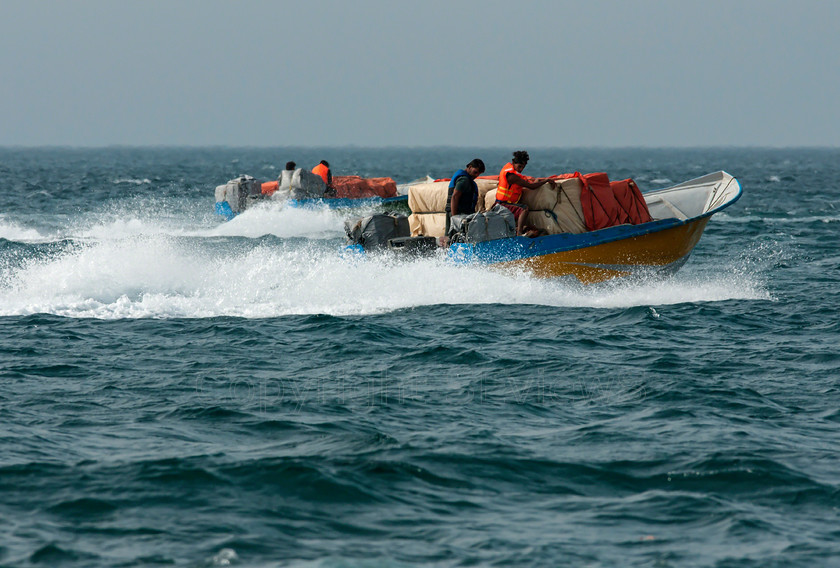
{"points": [[512, 185], [323, 170], [463, 192]]}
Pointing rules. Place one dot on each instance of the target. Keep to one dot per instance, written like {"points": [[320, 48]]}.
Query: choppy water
{"points": [[180, 391]]}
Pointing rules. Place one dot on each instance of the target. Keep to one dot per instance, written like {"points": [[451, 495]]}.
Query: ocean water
{"points": [[186, 392]]}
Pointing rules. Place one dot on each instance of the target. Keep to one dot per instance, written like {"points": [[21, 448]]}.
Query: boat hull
{"points": [[662, 252]]}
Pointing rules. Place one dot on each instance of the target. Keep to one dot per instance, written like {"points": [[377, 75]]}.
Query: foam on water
{"points": [[791, 219], [11, 231], [128, 220], [275, 219], [122, 228], [163, 276]]}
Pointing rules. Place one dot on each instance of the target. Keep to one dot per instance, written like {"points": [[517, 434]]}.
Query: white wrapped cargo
{"points": [[427, 224], [556, 210], [427, 202], [299, 184], [552, 210]]}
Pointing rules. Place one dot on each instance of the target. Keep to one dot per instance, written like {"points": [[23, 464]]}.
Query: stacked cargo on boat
{"points": [[552, 210], [354, 187], [578, 203], [300, 184], [427, 202]]}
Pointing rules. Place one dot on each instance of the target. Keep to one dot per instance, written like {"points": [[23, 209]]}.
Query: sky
{"points": [[541, 73]]}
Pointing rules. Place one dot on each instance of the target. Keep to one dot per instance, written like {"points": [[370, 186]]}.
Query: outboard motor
{"points": [[413, 246], [234, 197], [374, 232]]}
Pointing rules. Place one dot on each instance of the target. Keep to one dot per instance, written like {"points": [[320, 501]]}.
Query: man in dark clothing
{"points": [[463, 191]]}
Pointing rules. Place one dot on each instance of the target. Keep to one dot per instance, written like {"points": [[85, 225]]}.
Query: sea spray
{"points": [[165, 276]]}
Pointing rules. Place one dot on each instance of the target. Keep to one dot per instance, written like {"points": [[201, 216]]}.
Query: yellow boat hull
{"points": [[661, 251]]}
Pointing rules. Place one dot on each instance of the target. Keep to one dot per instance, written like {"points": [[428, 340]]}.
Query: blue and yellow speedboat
{"points": [[680, 214]]}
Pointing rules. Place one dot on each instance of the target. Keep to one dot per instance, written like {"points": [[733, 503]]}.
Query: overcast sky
{"points": [[420, 73]]}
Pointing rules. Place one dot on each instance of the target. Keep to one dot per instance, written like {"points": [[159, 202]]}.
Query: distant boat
{"points": [[243, 192], [661, 246]]}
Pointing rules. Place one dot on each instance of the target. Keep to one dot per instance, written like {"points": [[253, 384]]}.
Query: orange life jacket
{"points": [[322, 171], [508, 192]]}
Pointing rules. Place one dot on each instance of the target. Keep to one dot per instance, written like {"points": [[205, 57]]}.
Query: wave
{"points": [[283, 222], [161, 276], [13, 232], [723, 217], [130, 220]]}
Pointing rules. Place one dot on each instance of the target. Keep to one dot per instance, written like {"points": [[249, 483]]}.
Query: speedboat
{"points": [[656, 240], [303, 189], [661, 246]]}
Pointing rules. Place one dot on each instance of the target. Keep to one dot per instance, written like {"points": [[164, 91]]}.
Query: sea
{"points": [[182, 391]]}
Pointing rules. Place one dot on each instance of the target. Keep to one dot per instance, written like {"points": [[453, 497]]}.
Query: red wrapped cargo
{"points": [[606, 204], [354, 187]]}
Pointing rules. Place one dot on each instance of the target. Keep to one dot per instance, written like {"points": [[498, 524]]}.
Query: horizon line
{"points": [[406, 147]]}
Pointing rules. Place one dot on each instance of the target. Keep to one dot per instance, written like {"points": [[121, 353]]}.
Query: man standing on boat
{"points": [[463, 191], [323, 170], [512, 185]]}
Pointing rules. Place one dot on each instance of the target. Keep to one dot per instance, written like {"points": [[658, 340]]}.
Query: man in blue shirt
{"points": [[463, 191]]}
